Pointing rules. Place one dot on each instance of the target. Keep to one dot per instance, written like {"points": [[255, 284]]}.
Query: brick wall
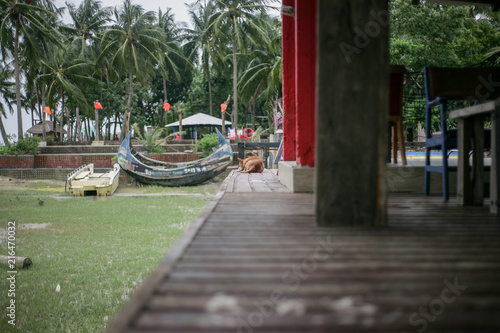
{"points": [[17, 161], [76, 160]]}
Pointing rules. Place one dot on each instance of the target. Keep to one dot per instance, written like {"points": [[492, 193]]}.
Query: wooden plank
{"points": [[235, 263], [483, 108], [478, 161], [464, 183]]}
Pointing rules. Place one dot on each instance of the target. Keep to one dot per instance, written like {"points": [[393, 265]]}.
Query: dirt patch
{"points": [[20, 184], [3, 232]]}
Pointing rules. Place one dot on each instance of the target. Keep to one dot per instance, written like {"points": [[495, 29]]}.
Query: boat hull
{"points": [[152, 172], [84, 181]]}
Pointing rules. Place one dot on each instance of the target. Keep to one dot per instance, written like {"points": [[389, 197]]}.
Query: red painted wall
{"points": [[289, 117], [305, 79]]}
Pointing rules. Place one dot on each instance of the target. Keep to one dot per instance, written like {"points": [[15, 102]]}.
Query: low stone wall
{"points": [[74, 161], [17, 161]]}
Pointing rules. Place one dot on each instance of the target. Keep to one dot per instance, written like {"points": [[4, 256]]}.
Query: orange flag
{"points": [[223, 107], [98, 105], [166, 106], [47, 110]]}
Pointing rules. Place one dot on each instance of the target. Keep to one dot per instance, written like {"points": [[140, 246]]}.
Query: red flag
{"points": [[166, 107], [223, 107], [98, 105], [47, 110]]}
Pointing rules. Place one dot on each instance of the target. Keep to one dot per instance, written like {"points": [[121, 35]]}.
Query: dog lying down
{"points": [[252, 164]]}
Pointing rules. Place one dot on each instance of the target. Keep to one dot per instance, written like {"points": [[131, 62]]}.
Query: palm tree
{"points": [[89, 21], [170, 61], [238, 19], [7, 91], [64, 73], [24, 19], [131, 46], [262, 76], [200, 36]]}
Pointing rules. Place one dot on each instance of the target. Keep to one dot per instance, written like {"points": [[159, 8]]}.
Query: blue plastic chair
{"points": [[452, 84]]}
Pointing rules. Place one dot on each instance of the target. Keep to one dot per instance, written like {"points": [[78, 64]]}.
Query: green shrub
{"points": [[26, 146], [207, 144], [151, 141]]}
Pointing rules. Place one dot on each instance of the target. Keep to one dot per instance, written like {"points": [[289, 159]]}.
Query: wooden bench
{"points": [[470, 190]]}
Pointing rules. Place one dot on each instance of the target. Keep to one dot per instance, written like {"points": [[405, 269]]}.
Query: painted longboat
{"points": [[149, 171]]}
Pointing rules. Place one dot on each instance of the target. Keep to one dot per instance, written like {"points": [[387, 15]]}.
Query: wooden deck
{"points": [[256, 262]]}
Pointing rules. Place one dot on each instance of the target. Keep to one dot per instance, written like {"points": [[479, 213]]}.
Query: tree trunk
{"points": [[129, 102], [114, 128], [235, 85], [78, 127], [209, 81], [44, 129], [18, 82], [62, 116], [87, 127], [4, 134]]}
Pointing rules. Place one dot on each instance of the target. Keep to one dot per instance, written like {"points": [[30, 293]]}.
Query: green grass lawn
{"points": [[98, 250]]}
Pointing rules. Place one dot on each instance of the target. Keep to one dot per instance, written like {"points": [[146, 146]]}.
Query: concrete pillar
{"points": [[352, 109]]}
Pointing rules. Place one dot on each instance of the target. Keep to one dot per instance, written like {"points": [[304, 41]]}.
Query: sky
{"points": [[178, 8]]}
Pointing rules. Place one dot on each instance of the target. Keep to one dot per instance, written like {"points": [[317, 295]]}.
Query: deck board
{"points": [[256, 262]]}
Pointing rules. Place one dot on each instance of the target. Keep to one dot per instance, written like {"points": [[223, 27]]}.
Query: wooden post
{"points": [[223, 128], [21, 262], [223, 114], [289, 112], [464, 183], [305, 80], [96, 122], [352, 111]]}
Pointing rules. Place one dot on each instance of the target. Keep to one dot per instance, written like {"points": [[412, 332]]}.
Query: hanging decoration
{"points": [[166, 106]]}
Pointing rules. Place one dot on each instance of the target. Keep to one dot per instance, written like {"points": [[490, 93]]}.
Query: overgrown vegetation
{"points": [[26, 146], [208, 143]]}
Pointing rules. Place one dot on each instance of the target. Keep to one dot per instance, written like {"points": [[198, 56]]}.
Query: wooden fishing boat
{"points": [[84, 181], [148, 171]]}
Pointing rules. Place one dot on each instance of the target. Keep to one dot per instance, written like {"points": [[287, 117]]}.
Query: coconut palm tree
{"points": [[65, 72], [21, 19], [238, 19], [131, 46], [262, 77], [170, 61], [89, 21]]}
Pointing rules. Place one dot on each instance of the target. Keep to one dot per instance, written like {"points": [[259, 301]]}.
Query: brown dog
{"points": [[251, 164]]}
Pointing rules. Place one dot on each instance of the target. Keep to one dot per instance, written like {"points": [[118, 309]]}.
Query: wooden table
{"points": [[470, 183]]}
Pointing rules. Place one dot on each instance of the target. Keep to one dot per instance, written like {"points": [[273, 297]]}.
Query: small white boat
{"points": [[84, 181]]}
